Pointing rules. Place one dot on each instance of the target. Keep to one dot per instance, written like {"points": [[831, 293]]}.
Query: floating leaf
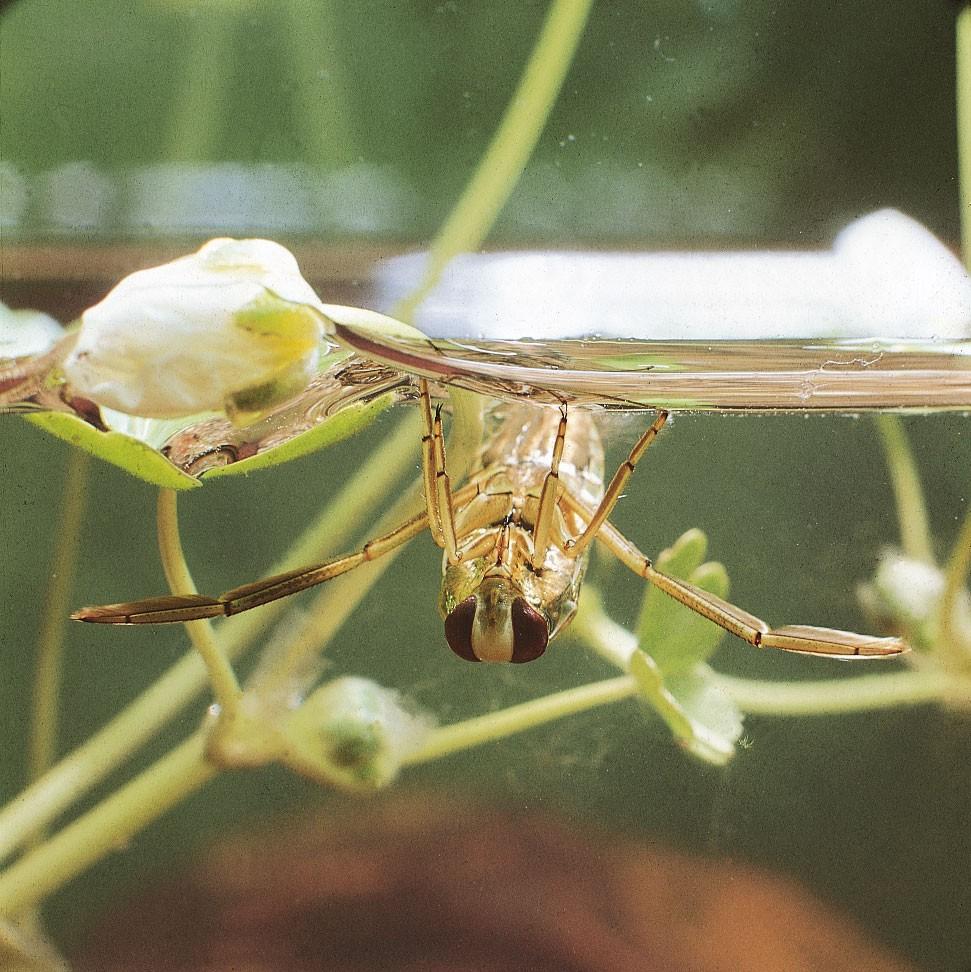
{"points": [[124, 451], [345, 396], [215, 363], [340, 401]]}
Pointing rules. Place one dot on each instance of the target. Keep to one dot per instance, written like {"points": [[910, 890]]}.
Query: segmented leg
{"points": [[428, 465], [546, 511], [616, 487], [803, 639], [192, 607], [443, 487], [437, 486]]}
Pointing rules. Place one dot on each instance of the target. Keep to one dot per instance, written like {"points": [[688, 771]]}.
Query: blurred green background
{"points": [[352, 127], [681, 119]]}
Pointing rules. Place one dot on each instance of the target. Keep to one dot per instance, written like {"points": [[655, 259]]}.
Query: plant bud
{"points": [[233, 327]]}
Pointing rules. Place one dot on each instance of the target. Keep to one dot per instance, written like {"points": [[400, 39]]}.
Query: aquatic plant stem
{"points": [[915, 534], [323, 101], [594, 628], [960, 560], [500, 168], [205, 79], [830, 696], [518, 718], [957, 643], [90, 763], [466, 227], [225, 685], [819, 698], [107, 826], [185, 769], [42, 744], [963, 41]]}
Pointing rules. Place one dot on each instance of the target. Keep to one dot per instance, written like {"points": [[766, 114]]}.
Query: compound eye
{"points": [[531, 633], [458, 629]]}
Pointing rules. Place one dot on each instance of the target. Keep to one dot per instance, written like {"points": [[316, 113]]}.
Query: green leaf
{"points": [[716, 722], [351, 420], [674, 643], [703, 719], [132, 443], [124, 451], [676, 637]]}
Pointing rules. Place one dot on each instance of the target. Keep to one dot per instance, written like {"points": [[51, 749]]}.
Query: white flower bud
{"points": [[232, 327], [25, 333], [354, 734], [908, 590]]}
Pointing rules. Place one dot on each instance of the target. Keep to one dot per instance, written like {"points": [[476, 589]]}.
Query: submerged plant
{"points": [[89, 386], [356, 735]]}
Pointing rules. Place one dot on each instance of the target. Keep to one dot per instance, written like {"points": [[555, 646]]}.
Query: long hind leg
{"points": [[191, 607], [804, 639]]}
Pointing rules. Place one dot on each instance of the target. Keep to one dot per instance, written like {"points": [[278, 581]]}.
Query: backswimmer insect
{"points": [[516, 537]]}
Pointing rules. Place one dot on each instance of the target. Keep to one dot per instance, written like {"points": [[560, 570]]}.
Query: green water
{"points": [[352, 128], [868, 810]]}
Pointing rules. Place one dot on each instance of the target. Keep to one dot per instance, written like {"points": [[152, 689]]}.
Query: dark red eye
{"points": [[458, 629], [530, 632]]}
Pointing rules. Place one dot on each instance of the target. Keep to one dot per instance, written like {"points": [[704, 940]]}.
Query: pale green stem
{"points": [[964, 128], [465, 229], [184, 770], [822, 698], [200, 98], [601, 633], [42, 745], [955, 574], [140, 721], [500, 168], [915, 534], [518, 718], [827, 697], [225, 686], [108, 826], [323, 103], [331, 608]]}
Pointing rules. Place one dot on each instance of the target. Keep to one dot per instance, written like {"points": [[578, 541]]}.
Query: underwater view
{"points": [[487, 486]]}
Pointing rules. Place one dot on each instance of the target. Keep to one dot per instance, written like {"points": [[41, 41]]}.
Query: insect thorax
{"points": [[495, 530]]}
